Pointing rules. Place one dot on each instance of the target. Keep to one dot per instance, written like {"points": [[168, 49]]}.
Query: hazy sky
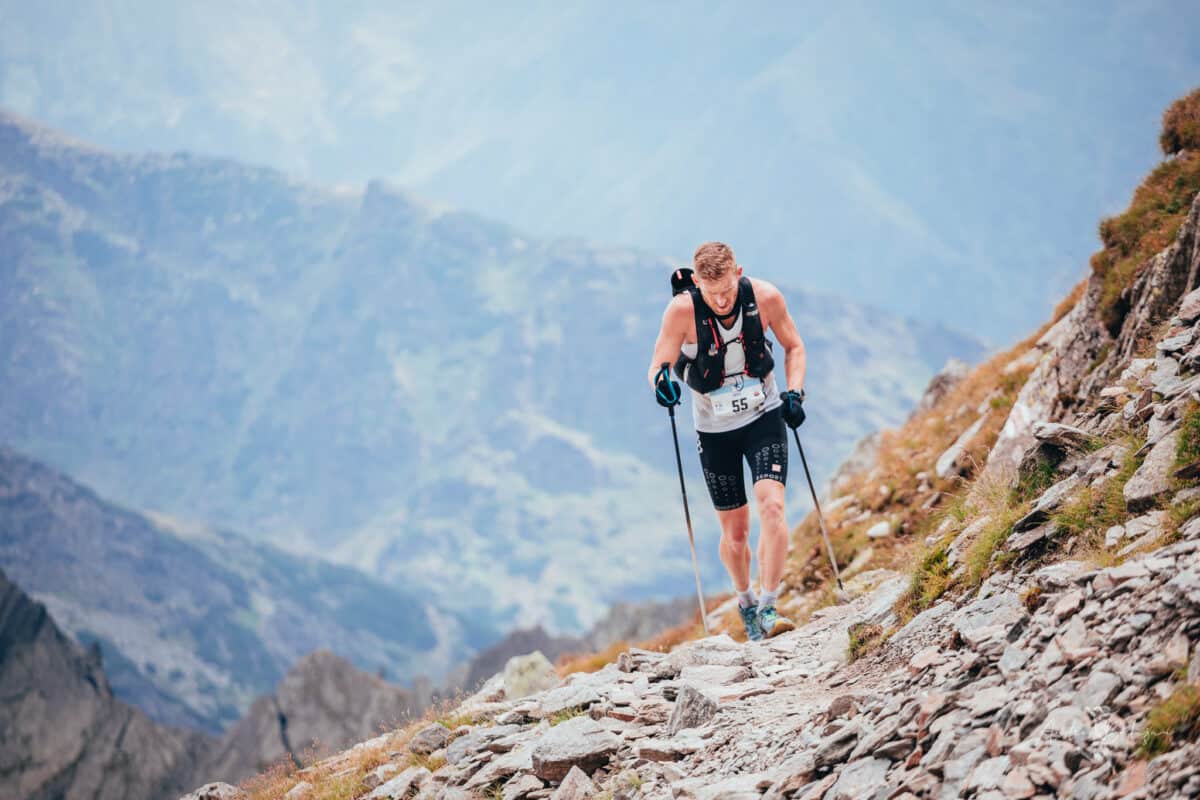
{"points": [[946, 160]]}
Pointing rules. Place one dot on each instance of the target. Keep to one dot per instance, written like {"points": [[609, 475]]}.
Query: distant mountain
{"points": [[63, 736], [323, 704], [195, 624], [430, 396]]}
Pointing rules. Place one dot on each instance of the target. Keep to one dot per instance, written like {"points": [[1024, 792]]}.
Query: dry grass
{"points": [[865, 637], [1181, 125], [1148, 226]]}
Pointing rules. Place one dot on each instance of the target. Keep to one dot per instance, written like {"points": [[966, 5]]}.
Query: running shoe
{"points": [[772, 624], [750, 619]]}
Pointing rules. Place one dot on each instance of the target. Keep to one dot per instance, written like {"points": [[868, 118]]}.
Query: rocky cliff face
{"points": [[63, 736], [322, 705], [194, 623], [1042, 640]]}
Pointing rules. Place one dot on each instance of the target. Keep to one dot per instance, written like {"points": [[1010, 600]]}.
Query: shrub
{"points": [[1188, 449], [1148, 226], [1181, 125]]}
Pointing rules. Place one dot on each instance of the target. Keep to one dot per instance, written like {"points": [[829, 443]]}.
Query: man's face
{"points": [[720, 293]]}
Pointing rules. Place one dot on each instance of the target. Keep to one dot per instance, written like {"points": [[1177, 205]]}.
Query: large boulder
{"points": [[578, 742], [1153, 477], [529, 674]]}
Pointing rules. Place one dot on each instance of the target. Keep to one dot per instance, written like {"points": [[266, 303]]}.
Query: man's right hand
{"points": [[666, 391], [793, 408]]}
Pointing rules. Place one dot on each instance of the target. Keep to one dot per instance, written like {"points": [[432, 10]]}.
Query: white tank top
{"points": [[704, 418]]}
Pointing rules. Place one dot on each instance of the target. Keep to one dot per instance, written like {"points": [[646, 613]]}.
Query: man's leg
{"points": [[767, 454], [773, 535], [721, 458], [735, 545]]}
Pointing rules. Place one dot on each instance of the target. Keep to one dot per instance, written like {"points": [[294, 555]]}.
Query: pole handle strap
{"points": [[671, 397]]}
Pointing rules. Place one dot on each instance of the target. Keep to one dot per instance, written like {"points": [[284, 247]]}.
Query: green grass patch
{"points": [[930, 580], [1175, 718], [1031, 483], [1187, 451], [980, 555]]}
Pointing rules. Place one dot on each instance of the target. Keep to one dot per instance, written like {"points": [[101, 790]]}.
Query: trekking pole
{"points": [[820, 516], [671, 402]]}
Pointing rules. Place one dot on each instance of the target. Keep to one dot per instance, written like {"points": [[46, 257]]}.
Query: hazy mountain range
{"points": [[452, 406]]}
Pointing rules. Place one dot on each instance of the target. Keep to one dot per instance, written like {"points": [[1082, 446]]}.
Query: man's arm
{"points": [[671, 334], [774, 307]]}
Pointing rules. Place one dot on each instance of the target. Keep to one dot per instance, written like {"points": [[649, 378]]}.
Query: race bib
{"points": [[739, 393]]}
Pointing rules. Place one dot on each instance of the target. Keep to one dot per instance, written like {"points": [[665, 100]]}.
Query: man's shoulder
{"points": [[765, 291], [681, 305]]}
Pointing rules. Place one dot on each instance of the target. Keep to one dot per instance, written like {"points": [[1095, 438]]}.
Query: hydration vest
{"points": [[706, 371]]}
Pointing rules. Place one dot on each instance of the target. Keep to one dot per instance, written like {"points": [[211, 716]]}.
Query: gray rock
{"points": [[1025, 539], [985, 702], [503, 767], [948, 462], [430, 738], [217, 791], [578, 742], [529, 674], [1153, 477], [477, 739], [575, 786], [1065, 437], [989, 620], [1189, 307], [564, 698], [693, 708], [1050, 499], [1068, 723], [520, 786], [1097, 690], [987, 775], [835, 747], [715, 674], [399, 786], [860, 779], [381, 774], [880, 530]]}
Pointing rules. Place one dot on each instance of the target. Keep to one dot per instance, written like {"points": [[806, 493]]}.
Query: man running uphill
{"points": [[714, 334]]}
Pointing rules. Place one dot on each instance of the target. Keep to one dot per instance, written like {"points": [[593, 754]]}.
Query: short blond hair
{"points": [[712, 260]]}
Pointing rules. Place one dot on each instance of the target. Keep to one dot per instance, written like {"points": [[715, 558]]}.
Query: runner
{"points": [[714, 333]]}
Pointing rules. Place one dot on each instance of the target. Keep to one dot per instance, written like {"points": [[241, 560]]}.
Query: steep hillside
{"points": [[1024, 555], [420, 393], [193, 623]]}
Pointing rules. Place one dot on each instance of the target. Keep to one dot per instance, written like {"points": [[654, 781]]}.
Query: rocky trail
{"points": [[987, 699]]}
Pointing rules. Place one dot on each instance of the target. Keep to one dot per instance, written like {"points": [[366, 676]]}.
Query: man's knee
{"points": [[737, 534], [770, 501]]}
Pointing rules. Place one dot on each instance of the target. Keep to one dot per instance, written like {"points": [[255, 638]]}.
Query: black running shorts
{"points": [[763, 443]]}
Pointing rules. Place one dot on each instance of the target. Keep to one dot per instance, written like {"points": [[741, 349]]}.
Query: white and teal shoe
{"points": [[771, 623]]}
